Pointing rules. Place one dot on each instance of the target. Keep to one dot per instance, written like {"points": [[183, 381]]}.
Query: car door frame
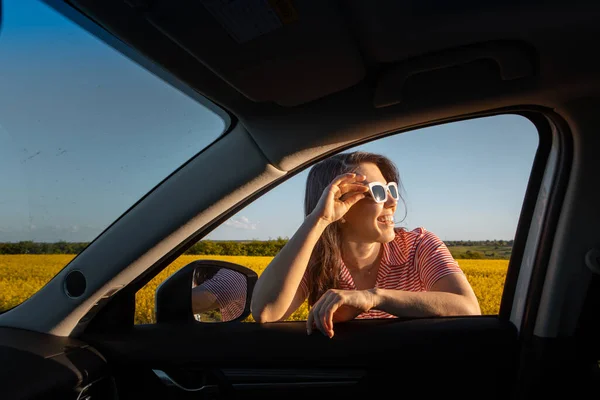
{"points": [[117, 317]]}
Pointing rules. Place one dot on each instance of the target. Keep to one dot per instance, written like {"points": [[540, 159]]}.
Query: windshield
{"points": [[85, 132]]}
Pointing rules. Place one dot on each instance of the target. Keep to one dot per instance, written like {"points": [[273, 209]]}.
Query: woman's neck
{"points": [[359, 255]]}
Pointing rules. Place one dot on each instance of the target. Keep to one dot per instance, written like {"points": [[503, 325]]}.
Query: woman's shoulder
{"points": [[402, 247], [411, 237], [405, 234]]}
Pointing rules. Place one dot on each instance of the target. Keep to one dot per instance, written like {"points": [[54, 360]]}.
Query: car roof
{"points": [[328, 72]]}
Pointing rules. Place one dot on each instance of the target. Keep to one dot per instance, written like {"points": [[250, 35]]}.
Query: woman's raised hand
{"points": [[341, 194]]}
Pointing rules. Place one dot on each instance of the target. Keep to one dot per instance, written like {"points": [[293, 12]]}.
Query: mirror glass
{"points": [[218, 294]]}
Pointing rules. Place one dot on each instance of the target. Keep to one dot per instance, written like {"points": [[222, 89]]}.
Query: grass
{"points": [[488, 252]]}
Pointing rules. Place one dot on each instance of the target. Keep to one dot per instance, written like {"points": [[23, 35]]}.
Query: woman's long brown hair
{"points": [[324, 264]]}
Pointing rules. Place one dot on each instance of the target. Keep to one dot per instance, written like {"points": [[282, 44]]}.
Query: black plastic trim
{"points": [[534, 184], [548, 230]]}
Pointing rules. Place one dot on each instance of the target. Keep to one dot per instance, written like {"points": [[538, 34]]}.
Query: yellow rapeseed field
{"points": [[23, 275]]}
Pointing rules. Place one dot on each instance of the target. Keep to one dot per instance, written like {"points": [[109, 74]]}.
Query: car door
{"points": [[499, 354], [465, 355]]}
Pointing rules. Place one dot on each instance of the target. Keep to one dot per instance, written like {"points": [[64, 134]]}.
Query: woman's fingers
{"points": [[313, 315], [349, 177], [352, 187], [327, 329], [321, 315], [349, 201], [327, 311], [316, 317], [346, 186], [349, 190], [331, 309]]}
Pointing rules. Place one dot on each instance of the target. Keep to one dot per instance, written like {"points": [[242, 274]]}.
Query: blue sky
{"points": [[464, 181], [89, 133]]}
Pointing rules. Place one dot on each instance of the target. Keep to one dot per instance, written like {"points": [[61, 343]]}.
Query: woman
{"points": [[351, 262], [218, 289]]}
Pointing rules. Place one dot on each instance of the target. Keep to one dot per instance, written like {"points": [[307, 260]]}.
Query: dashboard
{"points": [[41, 366]]}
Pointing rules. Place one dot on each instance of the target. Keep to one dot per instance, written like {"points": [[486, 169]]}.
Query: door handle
{"points": [[168, 381]]}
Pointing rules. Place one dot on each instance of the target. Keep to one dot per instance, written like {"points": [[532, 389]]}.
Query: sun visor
{"points": [[284, 52]]}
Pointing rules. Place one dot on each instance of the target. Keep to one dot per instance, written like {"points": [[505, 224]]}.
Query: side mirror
{"points": [[206, 291]]}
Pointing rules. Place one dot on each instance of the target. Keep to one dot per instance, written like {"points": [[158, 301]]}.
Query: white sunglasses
{"points": [[379, 191]]}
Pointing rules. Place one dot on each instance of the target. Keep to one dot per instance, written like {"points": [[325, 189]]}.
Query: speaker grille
{"points": [[75, 284]]}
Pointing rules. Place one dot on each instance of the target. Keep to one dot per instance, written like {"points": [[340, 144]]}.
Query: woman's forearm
{"points": [[278, 284], [203, 300], [423, 304]]}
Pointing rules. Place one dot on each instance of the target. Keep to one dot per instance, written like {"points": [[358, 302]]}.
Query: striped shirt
{"points": [[413, 262], [229, 288]]}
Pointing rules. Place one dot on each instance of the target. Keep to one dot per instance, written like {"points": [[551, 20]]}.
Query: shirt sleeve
{"points": [[433, 259], [229, 288]]}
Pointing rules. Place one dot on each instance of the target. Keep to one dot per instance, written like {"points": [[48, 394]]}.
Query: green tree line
{"points": [[494, 243], [481, 249], [203, 247]]}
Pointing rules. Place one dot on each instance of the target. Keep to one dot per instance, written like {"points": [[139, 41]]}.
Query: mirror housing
{"points": [[173, 301]]}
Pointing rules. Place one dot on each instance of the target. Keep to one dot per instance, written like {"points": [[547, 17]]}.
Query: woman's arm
{"points": [[447, 290], [203, 300], [450, 295], [277, 293]]}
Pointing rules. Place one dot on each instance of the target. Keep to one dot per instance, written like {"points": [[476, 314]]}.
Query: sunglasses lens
{"points": [[394, 192], [378, 193]]}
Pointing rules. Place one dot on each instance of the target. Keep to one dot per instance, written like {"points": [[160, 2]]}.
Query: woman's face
{"points": [[368, 221]]}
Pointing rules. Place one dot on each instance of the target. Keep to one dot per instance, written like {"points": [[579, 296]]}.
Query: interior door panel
{"points": [[430, 356]]}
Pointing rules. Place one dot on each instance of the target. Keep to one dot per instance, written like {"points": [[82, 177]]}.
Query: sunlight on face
{"points": [[368, 221]]}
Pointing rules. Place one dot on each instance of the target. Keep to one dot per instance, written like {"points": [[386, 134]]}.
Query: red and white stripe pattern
{"points": [[229, 288], [413, 262]]}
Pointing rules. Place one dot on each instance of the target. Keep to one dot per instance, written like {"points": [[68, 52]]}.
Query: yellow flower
{"points": [[23, 275]]}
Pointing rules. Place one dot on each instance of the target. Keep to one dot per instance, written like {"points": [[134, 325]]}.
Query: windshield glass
{"points": [[85, 132]]}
